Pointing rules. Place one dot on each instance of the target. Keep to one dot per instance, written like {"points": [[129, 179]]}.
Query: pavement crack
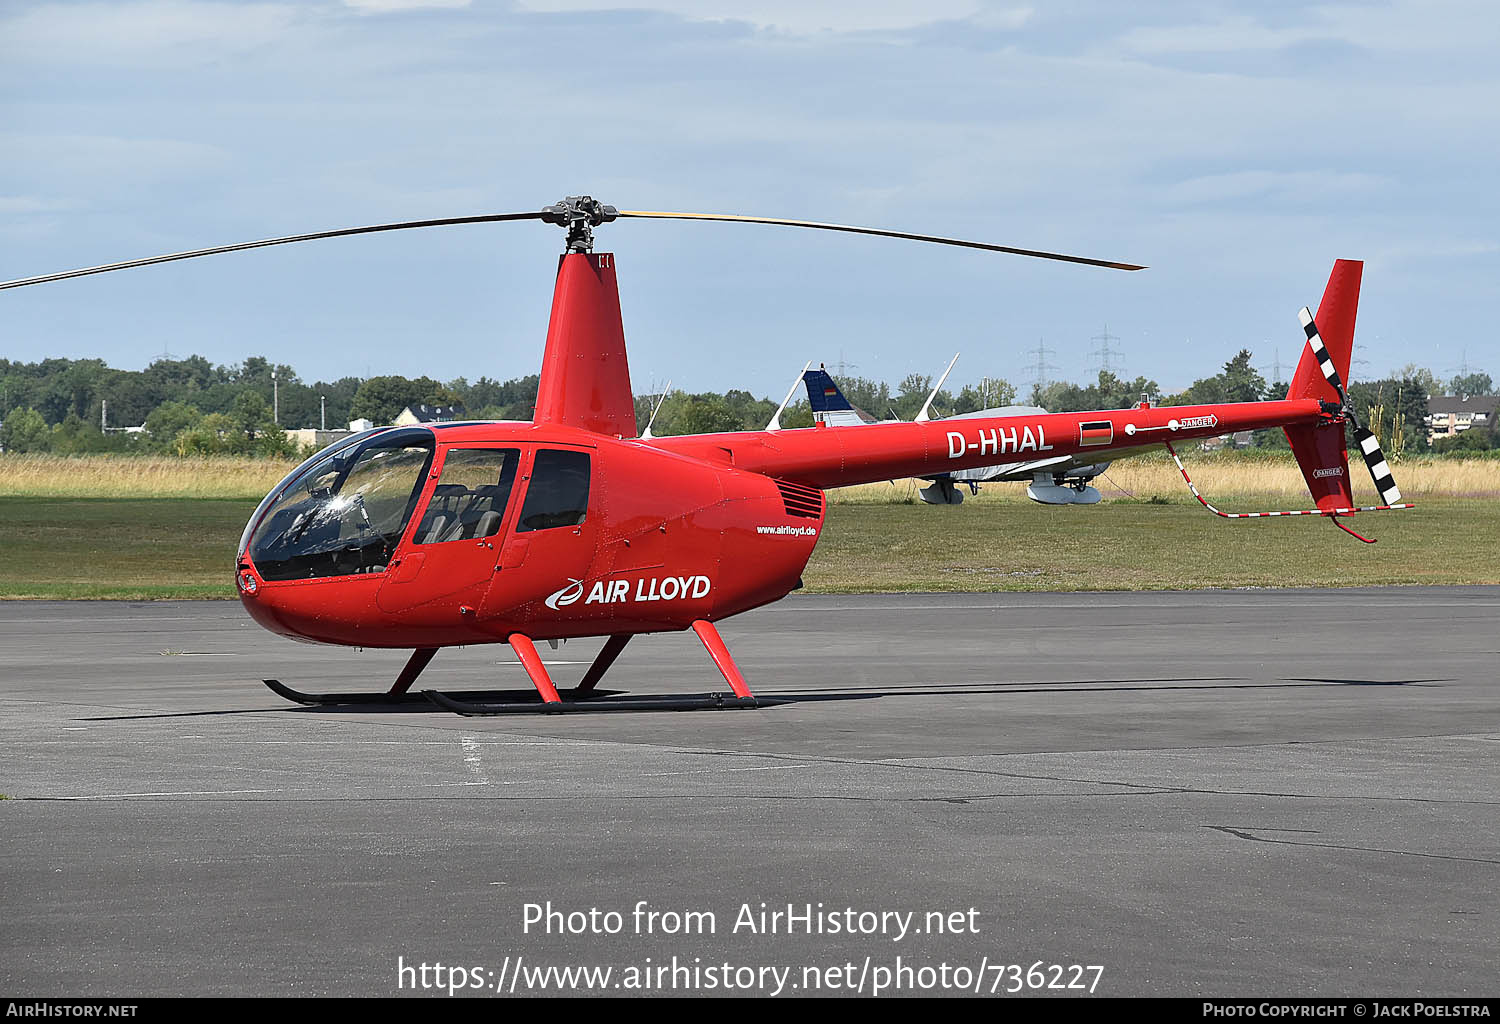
{"points": [[1253, 838]]}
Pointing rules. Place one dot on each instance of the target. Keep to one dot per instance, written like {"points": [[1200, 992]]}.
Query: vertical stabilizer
{"points": [[585, 378], [1320, 448], [1335, 323]]}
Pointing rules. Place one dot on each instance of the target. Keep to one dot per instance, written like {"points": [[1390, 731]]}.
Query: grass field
{"points": [[122, 548], [131, 476], [142, 549], [1246, 477], [168, 528]]}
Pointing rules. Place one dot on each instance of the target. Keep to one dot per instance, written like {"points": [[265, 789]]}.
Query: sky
{"points": [[1237, 149]]}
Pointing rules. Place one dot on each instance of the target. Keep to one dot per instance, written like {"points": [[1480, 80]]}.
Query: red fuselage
{"points": [[674, 530], [568, 526]]}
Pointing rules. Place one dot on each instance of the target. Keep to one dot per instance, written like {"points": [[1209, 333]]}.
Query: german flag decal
{"points": [[1102, 432]]}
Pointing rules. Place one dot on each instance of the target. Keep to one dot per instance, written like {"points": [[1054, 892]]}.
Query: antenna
{"points": [[646, 434], [775, 423], [922, 416], [1104, 352]]}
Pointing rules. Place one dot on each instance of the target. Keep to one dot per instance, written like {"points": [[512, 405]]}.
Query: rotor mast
{"points": [[580, 215]]}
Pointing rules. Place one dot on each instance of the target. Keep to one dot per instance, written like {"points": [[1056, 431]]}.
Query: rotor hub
{"points": [[580, 215]]}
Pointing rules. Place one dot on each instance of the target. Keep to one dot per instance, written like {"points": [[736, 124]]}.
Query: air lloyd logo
{"points": [[998, 441], [1319, 474], [656, 588]]}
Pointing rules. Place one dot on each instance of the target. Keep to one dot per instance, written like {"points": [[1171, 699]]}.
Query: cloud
{"points": [[155, 125], [1298, 186], [387, 6], [24, 205], [113, 33], [794, 16]]}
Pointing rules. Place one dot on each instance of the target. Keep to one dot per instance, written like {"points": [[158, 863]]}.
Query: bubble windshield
{"points": [[344, 514]]}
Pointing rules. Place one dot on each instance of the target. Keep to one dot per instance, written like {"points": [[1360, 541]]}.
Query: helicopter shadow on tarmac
{"points": [[481, 703]]}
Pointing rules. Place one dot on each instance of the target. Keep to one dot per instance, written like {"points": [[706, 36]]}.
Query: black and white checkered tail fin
{"points": [[1369, 446]]}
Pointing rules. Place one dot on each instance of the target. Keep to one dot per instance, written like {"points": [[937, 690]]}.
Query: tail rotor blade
{"points": [[1380, 471], [1325, 361]]}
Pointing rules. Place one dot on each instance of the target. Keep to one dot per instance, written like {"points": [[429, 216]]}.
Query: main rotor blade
{"points": [[483, 219], [883, 233]]}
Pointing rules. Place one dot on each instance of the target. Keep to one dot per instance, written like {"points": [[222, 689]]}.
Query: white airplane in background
{"points": [[1063, 480]]}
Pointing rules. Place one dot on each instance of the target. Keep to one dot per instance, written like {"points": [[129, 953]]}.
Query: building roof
{"points": [[433, 413], [1443, 405]]}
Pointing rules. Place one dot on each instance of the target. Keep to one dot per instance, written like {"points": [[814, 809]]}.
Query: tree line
{"points": [[192, 407]]}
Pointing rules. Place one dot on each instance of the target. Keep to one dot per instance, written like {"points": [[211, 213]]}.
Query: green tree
{"points": [[996, 394], [215, 434], [1467, 385], [252, 415], [168, 420], [381, 399], [1404, 396], [874, 397], [1473, 440], [1108, 392], [25, 430], [1239, 382], [707, 414]]}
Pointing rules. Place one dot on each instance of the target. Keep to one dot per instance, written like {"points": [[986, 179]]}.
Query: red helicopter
{"points": [[571, 525]]}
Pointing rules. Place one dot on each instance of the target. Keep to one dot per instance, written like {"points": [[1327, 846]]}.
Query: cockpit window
{"points": [[344, 514], [469, 500], [559, 491]]}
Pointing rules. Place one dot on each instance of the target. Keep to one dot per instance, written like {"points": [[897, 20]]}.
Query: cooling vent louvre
{"points": [[803, 502]]}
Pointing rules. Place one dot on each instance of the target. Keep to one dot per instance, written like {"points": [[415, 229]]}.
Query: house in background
{"points": [[429, 414], [1448, 415]]}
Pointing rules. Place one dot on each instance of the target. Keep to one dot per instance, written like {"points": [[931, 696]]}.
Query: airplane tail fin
{"points": [[828, 403]]}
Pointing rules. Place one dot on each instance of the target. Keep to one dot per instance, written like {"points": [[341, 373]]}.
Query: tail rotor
{"points": [[1369, 445]]}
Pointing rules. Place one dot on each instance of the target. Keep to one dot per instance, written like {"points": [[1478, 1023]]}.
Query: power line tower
{"points": [[1462, 369], [842, 368], [1276, 368], [1104, 353], [1038, 372]]}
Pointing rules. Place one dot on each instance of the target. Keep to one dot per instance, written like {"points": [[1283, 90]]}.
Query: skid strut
{"points": [[582, 699], [612, 648], [532, 662], [397, 694], [717, 651]]}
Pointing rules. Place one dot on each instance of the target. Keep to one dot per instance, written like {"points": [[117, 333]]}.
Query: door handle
{"points": [[514, 552]]}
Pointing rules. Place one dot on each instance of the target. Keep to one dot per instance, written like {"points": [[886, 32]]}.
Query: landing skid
{"points": [[546, 700], [369, 697], [665, 702]]}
